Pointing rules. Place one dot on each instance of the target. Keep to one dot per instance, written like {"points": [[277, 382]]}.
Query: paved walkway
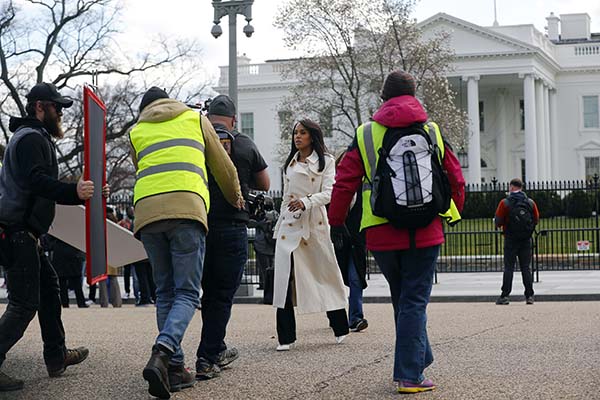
{"points": [[471, 287], [548, 351]]}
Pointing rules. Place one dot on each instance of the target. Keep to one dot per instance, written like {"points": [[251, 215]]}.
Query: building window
{"points": [[248, 124], [522, 113], [591, 112], [592, 167], [523, 171], [285, 123], [481, 117]]}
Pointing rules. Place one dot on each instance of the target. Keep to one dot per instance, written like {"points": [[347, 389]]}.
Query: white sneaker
{"points": [[126, 296], [89, 302], [340, 339], [284, 347]]}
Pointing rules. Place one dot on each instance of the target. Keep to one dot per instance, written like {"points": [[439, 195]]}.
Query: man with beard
{"points": [[29, 191]]}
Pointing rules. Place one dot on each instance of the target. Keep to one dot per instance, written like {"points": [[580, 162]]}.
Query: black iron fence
{"points": [[567, 237]]}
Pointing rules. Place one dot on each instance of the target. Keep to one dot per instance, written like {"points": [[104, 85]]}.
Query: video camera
{"points": [[258, 204]]}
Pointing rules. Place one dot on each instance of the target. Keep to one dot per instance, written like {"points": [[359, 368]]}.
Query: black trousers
{"points": [[127, 278], [71, 282], [33, 287], [264, 262], [143, 270], [286, 320], [513, 249]]}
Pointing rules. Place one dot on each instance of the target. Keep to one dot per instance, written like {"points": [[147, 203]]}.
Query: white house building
{"points": [[533, 99]]}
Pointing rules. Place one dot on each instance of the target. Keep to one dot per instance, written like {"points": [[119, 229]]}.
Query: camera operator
{"points": [[264, 244], [227, 241]]}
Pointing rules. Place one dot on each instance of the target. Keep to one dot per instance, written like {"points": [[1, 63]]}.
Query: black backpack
{"points": [[521, 222], [410, 187]]}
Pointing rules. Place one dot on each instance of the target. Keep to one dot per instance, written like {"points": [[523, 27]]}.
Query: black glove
{"points": [[339, 235]]}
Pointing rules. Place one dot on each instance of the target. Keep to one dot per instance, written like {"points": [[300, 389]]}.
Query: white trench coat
{"points": [[319, 286]]}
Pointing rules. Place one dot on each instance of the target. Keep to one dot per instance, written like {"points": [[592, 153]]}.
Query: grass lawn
{"points": [[559, 236]]}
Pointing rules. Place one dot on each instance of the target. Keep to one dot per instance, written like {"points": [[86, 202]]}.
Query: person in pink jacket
{"points": [[408, 269]]}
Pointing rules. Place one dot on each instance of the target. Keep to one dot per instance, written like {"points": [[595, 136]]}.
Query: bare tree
{"points": [[349, 47], [67, 42]]}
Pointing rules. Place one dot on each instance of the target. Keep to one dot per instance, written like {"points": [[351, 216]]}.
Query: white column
{"points": [[474, 138], [501, 138], [554, 145], [547, 138], [531, 167], [540, 123]]}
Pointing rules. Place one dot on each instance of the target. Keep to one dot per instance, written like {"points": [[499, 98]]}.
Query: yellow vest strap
{"points": [[170, 143], [168, 167], [370, 149]]}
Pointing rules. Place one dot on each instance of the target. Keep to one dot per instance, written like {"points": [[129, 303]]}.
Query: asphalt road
{"points": [[482, 351]]}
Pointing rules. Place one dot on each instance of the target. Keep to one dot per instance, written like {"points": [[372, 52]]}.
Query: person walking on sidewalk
{"points": [[517, 215], [406, 255], [306, 271], [351, 255], [29, 191], [172, 147], [227, 240]]}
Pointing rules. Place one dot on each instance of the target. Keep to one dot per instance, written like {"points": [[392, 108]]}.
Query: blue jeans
{"points": [[410, 276], [226, 257], [355, 300], [177, 257]]}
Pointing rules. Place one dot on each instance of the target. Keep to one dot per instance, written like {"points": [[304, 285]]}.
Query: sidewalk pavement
{"points": [[547, 351], [463, 287]]}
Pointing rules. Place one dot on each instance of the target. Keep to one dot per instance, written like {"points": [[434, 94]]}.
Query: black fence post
{"points": [[597, 244]]}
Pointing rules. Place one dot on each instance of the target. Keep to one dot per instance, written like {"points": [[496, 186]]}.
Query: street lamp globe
{"points": [[248, 30], [216, 31]]}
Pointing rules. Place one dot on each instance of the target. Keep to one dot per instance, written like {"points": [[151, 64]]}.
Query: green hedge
{"points": [[579, 203]]}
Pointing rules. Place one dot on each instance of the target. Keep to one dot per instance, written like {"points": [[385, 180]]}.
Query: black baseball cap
{"points": [[222, 105], [48, 92]]}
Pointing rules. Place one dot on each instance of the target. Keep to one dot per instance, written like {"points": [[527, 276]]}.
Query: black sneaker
{"points": [[8, 384], [180, 378], [206, 370], [502, 301], [529, 300], [73, 356], [227, 356], [359, 325]]}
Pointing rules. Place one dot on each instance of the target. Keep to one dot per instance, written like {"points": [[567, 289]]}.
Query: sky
{"points": [[192, 19]]}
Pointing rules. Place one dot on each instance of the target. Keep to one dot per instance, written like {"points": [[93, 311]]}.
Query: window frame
{"points": [[582, 112], [244, 129]]}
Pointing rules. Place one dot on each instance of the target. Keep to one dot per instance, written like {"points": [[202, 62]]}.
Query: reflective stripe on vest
{"points": [[370, 139], [170, 157]]}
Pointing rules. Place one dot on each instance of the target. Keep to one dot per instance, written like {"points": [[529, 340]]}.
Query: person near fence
{"points": [[68, 262], [351, 254], [306, 270], [517, 215], [227, 240], [29, 191], [264, 248], [172, 147], [406, 257]]}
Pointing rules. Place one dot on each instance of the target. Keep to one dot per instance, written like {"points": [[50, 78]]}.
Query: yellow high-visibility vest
{"points": [[370, 139], [170, 157]]}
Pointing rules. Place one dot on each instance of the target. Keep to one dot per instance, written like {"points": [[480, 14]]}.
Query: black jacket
{"points": [[29, 185]]}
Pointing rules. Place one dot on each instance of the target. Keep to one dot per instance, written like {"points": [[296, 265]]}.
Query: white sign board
{"points": [[583, 245], [122, 247]]}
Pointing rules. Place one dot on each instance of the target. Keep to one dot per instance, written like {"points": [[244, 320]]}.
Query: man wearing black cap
{"points": [[173, 146], [29, 190], [227, 242]]}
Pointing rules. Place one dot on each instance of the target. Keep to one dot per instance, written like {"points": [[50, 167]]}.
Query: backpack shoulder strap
{"points": [[433, 138]]}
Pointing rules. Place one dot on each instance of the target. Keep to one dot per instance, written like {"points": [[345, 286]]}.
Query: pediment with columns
{"points": [[468, 39], [589, 145]]}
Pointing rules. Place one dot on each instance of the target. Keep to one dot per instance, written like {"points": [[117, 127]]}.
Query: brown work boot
{"points": [[73, 356], [156, 372], [8, 384], [180, 378]]}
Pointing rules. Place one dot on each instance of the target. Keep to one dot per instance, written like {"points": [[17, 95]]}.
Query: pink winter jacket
{"points": [[398, 112]]}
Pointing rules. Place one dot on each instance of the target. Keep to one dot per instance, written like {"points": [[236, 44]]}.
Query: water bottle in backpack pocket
{"points": [[410, 187]]}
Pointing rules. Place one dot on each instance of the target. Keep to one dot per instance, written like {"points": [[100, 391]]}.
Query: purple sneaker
{"points": [[410, 387]]}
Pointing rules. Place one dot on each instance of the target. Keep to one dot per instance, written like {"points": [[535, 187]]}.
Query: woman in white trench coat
{"points": [[306, 270]]}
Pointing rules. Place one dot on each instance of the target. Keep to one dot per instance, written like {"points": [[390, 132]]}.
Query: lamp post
{"points": [[232, 8]]}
